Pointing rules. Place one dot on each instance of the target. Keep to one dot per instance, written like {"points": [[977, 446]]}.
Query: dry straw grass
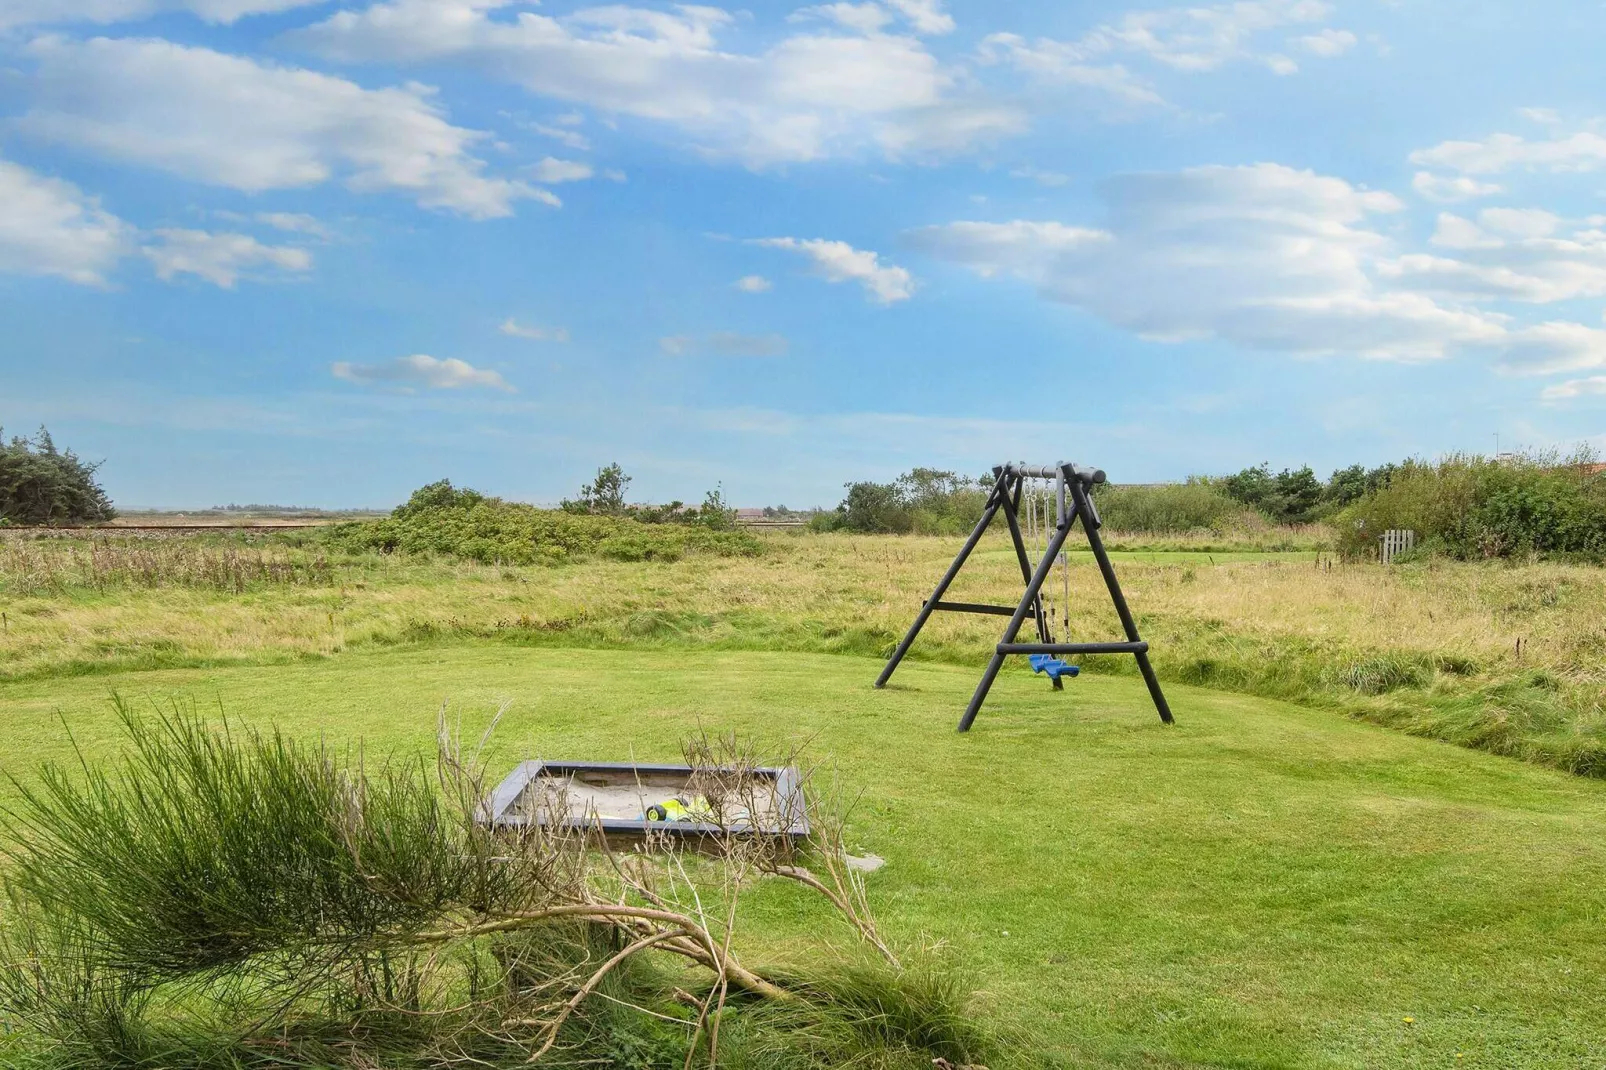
{"points": [[1390, 644]]}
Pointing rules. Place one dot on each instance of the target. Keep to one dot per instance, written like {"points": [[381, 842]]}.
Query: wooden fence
{"points": [[1395, 541]]}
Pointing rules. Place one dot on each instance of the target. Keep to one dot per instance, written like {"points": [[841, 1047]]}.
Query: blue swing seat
{"points": [[1054, 667]]}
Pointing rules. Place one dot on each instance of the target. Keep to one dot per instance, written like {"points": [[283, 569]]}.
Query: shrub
{"points": [[40, 484], [1467, 506], [923, 501], [1196, 505], [445, 520]]}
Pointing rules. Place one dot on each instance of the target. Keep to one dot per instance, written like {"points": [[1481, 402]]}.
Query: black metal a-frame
{"points": [[1072, 482]]}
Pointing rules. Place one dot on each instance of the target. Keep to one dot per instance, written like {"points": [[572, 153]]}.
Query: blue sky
{"points": [[324, 252]]}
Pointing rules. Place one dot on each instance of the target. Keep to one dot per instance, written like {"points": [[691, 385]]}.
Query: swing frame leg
{"points": [[996, 500], [1027, 602]]}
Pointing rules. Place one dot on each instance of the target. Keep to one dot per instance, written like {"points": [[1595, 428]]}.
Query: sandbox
{"points": [[615, 798]]}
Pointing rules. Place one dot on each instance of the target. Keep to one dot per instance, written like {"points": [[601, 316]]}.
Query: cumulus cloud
{"points": [[1594, 385], [837, 261], [1188, 39], [725, 344], [1041, 177], [50, 227], [552, 170], [419, 370], [1327, 43], [514, 329], [295, 223], [1552, 348], [925, 16], [231, 121], [60, 12], [811, 95], [1511, 254], [1272, 258], [1264, 256], [753, 284], [1449, 189], [1583, 150], [219, 258]]}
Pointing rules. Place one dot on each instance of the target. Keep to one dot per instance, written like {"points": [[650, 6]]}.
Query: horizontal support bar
{"points": [[979, 607], [1052, 471], [1073, 648]]}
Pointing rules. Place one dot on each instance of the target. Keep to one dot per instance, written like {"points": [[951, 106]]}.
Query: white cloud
{"points": [[231, 121], [294, 223], [59, 12], [1327, 43], [809, 96], [753, 284], [49, 227], [1520, 222], [837, 261], [1584, 150], [553, 170], [1189, 39], [1549, 348], [925, 16], [1029, 250], [419, 370], [1576, 388], [512, 328], [1263, 256], [1042, 178], [733, 344], [1447, 190], [1509, 254], [863, 18], [1542, 116], [1271, 258], [219, 258], [571, 138], [725, 344]]}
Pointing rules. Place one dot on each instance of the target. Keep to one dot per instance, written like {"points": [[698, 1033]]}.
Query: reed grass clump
{"points": [[45, 566]]}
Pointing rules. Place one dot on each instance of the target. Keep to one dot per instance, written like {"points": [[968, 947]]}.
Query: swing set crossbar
{"points": [[1139, 647], [1072, 485]]}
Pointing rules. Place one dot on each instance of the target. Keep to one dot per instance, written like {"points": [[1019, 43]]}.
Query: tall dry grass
{"points": [[1508, 657], [35, 566]]}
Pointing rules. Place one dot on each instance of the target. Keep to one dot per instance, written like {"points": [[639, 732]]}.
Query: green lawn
{"points": [[1257, 886]]}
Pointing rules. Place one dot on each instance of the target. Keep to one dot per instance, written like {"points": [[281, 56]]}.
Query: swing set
{"points": [[1050, 499]]}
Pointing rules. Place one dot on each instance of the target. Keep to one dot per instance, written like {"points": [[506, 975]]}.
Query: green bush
{"points": [[1467, 507], [440, 519], [1169, 509], [923, 501]]}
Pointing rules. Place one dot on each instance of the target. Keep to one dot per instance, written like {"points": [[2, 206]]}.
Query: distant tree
{"points": [[40, 484], [604, 494], [438, 495], [1292, 496], [1355, 482], [716, 513]]}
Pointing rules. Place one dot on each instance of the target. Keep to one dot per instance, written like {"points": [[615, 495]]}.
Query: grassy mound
{"points": [[445, 521]]}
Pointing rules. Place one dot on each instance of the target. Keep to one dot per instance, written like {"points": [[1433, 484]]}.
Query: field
{"points": [[1281, 879]]}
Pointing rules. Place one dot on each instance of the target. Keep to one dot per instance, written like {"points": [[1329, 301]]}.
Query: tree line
{"points": [[1462, 505]]}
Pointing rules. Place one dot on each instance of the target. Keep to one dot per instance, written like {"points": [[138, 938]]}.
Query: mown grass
{"points": [[1508, 658], [1260, 885]]}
